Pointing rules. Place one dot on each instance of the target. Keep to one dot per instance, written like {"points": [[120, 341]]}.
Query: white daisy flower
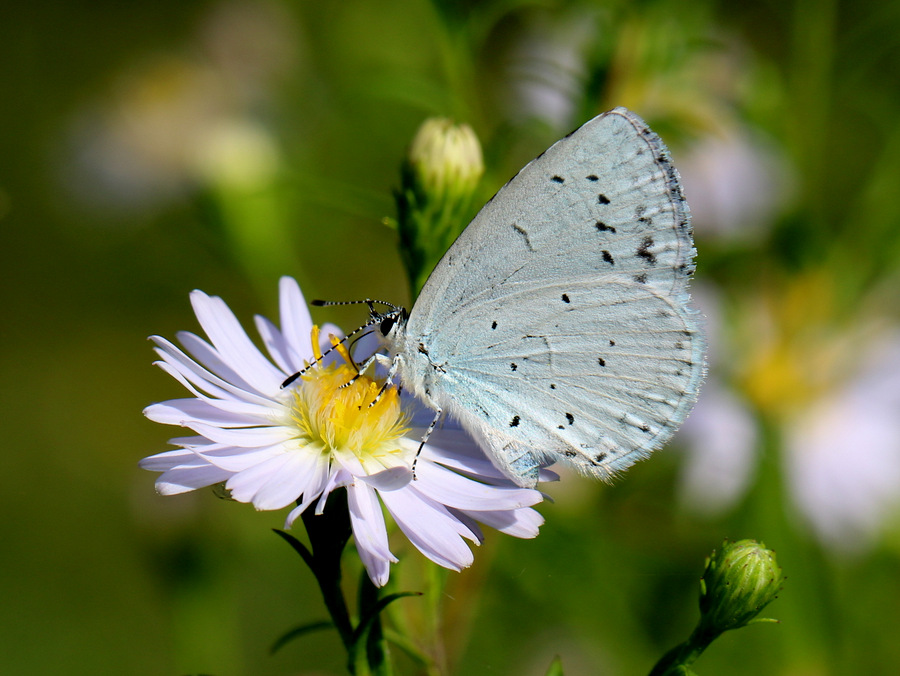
{"points": [[275, 446]]}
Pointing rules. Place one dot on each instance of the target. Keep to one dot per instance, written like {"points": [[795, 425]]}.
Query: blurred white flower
{"points": [[735, 181], [843, 453], [540, 64], [188, 118], [274, 446], [720, 435]]}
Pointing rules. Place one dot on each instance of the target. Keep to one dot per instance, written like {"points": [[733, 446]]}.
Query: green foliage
{"points": [[97, 259]]}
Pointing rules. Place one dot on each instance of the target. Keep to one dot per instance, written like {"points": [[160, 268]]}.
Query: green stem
{"points": [[328, 534], [684, 654]]}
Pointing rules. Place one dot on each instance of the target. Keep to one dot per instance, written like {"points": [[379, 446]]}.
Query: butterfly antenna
{"points": [[374, 318]]}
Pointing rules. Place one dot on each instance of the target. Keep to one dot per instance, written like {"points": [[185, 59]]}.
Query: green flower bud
{"points": [[740, 580], [434, 203], [446, 159]]}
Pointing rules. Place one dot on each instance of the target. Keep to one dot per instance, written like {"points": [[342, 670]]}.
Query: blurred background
{"points": [[152, 148]]}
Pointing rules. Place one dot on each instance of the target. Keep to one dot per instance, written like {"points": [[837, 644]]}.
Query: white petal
{"points": [[167, 460], [186, 478], [277, 346], [367, 519], [296, 323], [202, 378], [235, 459], [520, 523], [232, 343], [430, 527], [318, 483], [245, 437], [289, 483], [225, 414], [455, 490], [245, 485], [208, 357], [390, 479]]}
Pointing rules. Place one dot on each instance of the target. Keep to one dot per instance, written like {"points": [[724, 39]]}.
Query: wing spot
{"points": [[514, 422], [643, 251], [646, 220], [513, 366], [602, 199], [608, 257], [593, 177], [552, 386], [570, 454], [570, 418], [603, 227], [641, 278], [601, 361], [558, 179], [524, 233], [565, 298], [612, 343], [600, 457], [493, 325]]}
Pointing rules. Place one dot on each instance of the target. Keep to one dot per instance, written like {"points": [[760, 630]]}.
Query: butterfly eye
{"points": [[387, 325]]}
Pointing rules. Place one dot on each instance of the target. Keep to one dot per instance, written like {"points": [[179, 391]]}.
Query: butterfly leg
{"points": [[388, 381], [434, 422]]}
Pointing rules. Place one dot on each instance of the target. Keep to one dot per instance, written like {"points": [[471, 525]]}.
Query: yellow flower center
{"points": [[340, 419]]}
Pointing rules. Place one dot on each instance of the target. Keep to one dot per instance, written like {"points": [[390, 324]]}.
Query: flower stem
{"points": [[683, 655], [328, 534]]}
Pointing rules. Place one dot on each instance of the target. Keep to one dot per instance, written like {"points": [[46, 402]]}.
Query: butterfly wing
{"points": [[559, 321]]}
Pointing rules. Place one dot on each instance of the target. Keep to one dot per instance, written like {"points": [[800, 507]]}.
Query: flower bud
{"points": [[434, 204], [446, 159], [740, 580]]}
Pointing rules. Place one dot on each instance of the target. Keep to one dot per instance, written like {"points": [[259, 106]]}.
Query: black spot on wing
{"points": [[570, 418], [608, 257], [600, 457], [514, 422], [524, 233], [565, 298], [602, 199], [493, 325], [592, 177], [601, 361], [643, 251], [552, 386], [558, 179], [612, 343], [568, 454], [513, 366], [641, 278], [603, 227]]}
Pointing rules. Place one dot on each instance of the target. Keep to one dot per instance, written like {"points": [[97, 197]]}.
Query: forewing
{"points": [[576, 272]]}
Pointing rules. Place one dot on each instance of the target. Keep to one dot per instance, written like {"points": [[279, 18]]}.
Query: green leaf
{"points": [[555, 667], [358, 648], [299, 547], [297, 632]]}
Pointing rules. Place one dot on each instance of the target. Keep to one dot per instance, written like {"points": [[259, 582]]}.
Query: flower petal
{"points": [[430, 527], [189, 477], [232, 343], [454, 490]]}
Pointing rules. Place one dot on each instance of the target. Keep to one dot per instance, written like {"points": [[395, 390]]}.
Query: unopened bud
{"points": [[446, 159], [740, 580]]}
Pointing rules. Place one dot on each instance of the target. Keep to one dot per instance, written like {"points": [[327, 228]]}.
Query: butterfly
{"points": [[557, 327]]}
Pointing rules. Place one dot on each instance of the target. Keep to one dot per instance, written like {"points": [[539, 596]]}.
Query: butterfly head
{"points": [[391, 321]]}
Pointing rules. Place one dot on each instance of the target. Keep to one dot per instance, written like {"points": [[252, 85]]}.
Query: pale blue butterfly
{"points": [[557, 327]]}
